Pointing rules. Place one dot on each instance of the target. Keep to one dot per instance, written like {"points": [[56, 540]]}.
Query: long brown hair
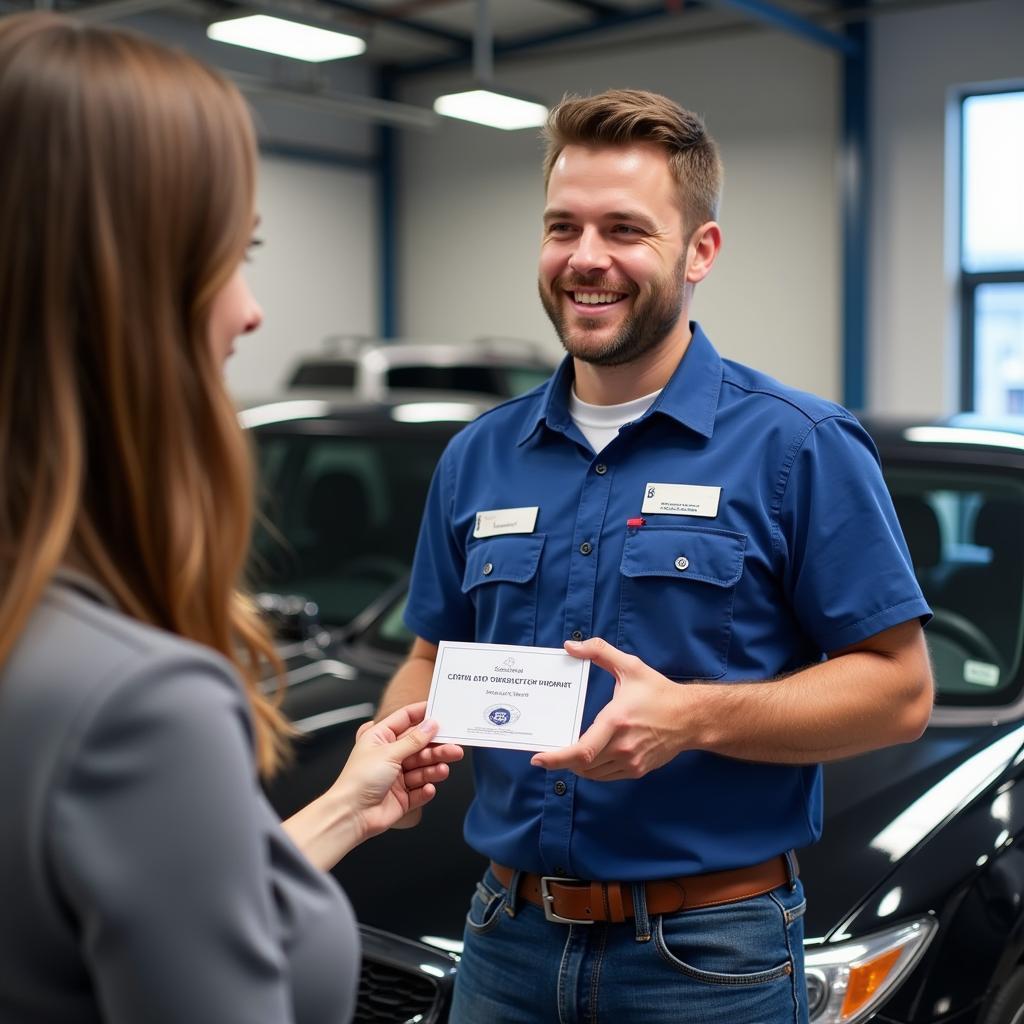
{"points": [[127, 191]]}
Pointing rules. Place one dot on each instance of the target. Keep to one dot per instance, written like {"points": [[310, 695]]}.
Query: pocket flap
{"points": [[507, 559], [685, 552]]}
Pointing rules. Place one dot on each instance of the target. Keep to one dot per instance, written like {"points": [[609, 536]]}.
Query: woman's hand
{"points": [[392, 770], [390, 774]]}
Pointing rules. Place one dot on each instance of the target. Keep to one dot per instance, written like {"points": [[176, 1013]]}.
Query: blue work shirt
{"points": [[804, 556]]}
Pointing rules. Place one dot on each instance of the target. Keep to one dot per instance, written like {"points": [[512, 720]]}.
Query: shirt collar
{"points": [[690, 397]]}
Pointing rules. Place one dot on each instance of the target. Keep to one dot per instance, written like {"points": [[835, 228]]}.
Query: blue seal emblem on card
{"points": [[501, 714]]}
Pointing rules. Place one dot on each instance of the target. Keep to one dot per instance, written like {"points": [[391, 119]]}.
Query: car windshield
{"points": [[486, 379], [328, 373], [339, 514], [964, 531]]}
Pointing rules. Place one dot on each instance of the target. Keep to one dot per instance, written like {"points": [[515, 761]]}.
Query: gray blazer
{"points": [[144, 878]]}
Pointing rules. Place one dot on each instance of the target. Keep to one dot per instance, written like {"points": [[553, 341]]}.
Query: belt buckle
{"points": [[549, 900]]}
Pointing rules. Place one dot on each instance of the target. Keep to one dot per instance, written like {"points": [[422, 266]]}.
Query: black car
{"points": [[342, 486], [915, 890]]}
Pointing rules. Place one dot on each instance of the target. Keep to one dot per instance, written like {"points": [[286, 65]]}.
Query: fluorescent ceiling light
{"points": [[287, 38], [493, 109]]}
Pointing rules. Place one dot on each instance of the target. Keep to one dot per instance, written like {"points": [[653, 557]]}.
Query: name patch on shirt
{"points": [[506, 520], [682, 500]]}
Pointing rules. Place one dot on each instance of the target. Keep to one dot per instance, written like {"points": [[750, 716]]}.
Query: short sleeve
{"points": [[847, 569], [160, 852], [437, 608]]}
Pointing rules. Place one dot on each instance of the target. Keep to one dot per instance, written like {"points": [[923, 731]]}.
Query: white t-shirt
{"points": [[600, 423]]}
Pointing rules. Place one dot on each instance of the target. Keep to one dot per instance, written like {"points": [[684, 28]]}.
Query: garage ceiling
{"points": [[411, 36]]}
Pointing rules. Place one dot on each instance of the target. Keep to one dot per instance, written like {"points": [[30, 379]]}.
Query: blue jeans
{"points": [[741, 963]]}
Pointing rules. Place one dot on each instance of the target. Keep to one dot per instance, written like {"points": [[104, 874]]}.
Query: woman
{"points": [[143, 876]]}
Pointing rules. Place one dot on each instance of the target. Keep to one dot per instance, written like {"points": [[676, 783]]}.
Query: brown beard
{"points": [[652, 318]]}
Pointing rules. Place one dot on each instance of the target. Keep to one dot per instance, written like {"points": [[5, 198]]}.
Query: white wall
{"points": [[919, 59], [316, 273], [471, 200]]}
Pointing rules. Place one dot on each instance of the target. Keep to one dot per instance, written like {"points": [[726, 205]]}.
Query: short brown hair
{"points": [[620, 117], [127, 193]]}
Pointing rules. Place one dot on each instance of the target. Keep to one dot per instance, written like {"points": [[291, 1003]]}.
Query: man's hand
{"points": [[635, 732]]}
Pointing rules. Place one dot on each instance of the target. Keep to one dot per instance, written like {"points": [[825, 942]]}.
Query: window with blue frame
{"points": [[992, 252]]}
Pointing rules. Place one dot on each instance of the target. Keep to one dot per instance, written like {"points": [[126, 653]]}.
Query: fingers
{"points": [[403, 719], [413, 740], [421, 776], [601, 653], [446, 753], [412, 817], [582, 755], [417, 798]]}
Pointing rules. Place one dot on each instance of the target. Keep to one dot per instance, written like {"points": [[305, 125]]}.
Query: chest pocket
{"points": [[676, 598], [501, 580]]}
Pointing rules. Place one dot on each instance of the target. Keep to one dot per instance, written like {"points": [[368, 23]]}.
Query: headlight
{"points": [[847, 981]]}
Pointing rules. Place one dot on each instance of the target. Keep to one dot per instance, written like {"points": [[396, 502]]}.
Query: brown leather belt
{"points": [[576, 901]]}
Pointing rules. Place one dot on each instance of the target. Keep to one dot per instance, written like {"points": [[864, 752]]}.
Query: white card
{"points": [[682, 499], [515, 698], [506, 520]]}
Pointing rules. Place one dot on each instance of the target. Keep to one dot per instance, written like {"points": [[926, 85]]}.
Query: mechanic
{"points": [[724, 549]]}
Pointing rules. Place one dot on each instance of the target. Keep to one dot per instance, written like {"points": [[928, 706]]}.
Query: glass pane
{"points": [[993, 200], [967, 546], [339, 515], [521, 380], [999, 349]]}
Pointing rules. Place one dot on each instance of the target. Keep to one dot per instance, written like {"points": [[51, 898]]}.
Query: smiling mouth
{"points": [[595, 298]]}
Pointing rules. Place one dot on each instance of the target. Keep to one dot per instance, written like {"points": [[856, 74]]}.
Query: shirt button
{"points": [[576, 635], [586, 548], [560, 788], [682, 563], [489, 568], [600, 469], [560, 871]]}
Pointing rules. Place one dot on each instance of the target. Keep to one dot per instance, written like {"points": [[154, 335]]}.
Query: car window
{"points": [[389, 632], [964, 532], [506, 381], [326, 374], [483, 379], [339, 515], [521, 379]]}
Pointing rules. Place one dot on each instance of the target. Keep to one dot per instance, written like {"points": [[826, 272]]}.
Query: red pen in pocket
{"points": [[636, 521]]}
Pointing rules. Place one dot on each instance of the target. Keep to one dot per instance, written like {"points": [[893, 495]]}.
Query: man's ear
{"points": [[704, 245]]}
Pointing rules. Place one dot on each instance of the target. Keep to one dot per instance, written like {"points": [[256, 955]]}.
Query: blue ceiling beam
{"points": [[459, 39], [855, 204], [794, 24], [562, 35]]}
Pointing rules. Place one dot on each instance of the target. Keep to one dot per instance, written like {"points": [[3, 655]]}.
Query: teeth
{"points": [[596, 298]]}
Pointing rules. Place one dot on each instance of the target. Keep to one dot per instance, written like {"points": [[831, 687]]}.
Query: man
{"points": [[724, 549]]}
